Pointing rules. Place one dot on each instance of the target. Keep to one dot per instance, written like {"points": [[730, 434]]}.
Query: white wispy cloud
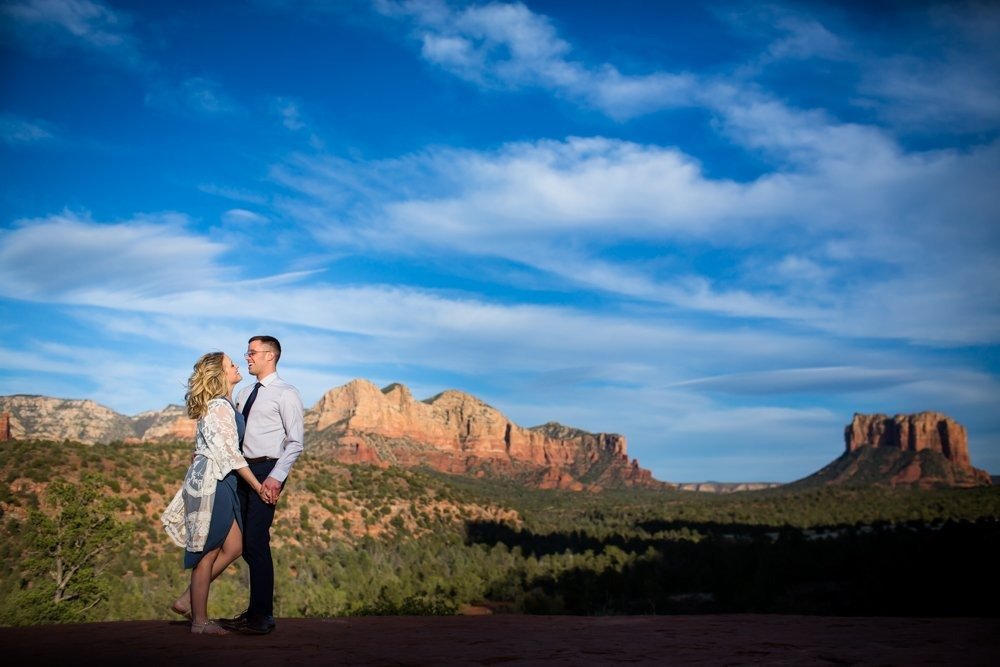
{"points": [[796, 380], [159, 270], [64, 256], [15, 130], [84, 23], [200, 96], [240, 216], [235, 194], [951, 80], [830, 240], [506, 45], [949, 83]]}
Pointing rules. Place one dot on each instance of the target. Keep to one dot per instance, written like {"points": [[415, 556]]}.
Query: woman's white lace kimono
{"points": [[189, 514]]}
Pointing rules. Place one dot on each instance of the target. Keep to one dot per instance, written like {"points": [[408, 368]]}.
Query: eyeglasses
{"points": [[250, 353]]}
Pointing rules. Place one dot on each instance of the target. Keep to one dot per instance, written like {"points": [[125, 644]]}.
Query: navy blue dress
{"points": [[225, 509]]}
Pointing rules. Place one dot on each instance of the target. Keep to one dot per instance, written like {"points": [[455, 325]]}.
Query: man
{"points": [[272, 443]]}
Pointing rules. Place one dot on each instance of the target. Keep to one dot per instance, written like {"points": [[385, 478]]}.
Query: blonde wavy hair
{"points": [[208, 381]]}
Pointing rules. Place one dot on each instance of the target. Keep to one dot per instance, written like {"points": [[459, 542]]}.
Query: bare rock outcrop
{"points": [[457, 433], [723, 487], [169, 424], [46, 418]]}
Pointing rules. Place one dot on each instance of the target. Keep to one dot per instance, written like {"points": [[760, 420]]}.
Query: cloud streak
{"points": [[67, 258], [507, 46], [79, 23]]}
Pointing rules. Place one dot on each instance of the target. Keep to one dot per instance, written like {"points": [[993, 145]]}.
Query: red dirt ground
{"points": [[522, 640]]}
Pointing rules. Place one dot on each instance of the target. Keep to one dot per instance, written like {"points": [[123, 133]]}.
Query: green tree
{"points": [[68, 549]]}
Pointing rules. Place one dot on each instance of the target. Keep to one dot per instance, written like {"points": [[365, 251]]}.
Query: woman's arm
{"points": [[249, 478], [223, 440]]}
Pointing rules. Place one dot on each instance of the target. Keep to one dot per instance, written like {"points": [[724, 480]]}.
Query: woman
{"points": [[204, 517]]}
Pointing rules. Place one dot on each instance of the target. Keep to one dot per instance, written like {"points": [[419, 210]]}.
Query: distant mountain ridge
{"points": [[451, 432], [457, 433], [31, 416]]}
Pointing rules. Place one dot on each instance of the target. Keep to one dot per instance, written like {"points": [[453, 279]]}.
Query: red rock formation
{"points": [[458, 433], [912, 433], [5, 427], [925, 449], [169, 424]]}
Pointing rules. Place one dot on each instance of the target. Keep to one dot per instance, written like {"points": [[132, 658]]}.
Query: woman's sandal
{"points": [[208, 628]]}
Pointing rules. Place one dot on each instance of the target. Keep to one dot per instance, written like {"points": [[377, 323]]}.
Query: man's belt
{"points": [[261, 459]]}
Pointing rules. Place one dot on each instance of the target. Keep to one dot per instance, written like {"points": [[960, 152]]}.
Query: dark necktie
{"points": [[246, 409]]}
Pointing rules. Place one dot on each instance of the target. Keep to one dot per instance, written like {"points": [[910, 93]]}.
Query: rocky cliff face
{"points": [[911, 433], [5, 434], [45, 418], [925, 449], [457, 433], [169, 424]]}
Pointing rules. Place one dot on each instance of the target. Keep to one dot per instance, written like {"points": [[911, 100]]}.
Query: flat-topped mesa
{"points": [[924, 450], [912, 433], [458, 433]]}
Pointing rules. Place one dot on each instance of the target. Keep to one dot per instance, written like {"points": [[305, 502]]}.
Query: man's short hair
{"points": [[271, 341]]}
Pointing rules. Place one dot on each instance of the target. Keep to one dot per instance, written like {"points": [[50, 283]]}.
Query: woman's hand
{"points": [[262, 492]]}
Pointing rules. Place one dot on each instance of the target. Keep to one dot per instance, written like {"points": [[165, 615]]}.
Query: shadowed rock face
{"points": [[458, 433]]}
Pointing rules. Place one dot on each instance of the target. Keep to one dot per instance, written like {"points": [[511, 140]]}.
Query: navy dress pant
{"points": [[257, 518]]}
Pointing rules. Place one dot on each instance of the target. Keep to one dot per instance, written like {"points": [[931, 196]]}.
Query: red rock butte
{"points": [[454, 432], [912, 433], [924, 449]]}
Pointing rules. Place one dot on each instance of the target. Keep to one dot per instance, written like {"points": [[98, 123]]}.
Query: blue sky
{"points": [[719, 228]]}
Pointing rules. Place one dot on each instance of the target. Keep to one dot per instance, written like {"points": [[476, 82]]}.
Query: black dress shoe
{"points": [[236, 623], [259, 625]]}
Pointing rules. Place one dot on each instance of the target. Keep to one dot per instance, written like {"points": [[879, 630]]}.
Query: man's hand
{"points": [[271, 490]]}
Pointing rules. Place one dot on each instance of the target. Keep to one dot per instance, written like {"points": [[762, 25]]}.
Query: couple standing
{"points": [[243, 454]]}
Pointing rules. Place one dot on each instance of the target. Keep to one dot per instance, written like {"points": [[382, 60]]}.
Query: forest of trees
{"points": [[82, 542]]}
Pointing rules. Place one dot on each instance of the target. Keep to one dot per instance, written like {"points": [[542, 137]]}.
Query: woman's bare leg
{"points": [[230, 551], [201, 579]]}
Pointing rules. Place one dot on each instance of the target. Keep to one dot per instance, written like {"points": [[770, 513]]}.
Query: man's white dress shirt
{"points": [[274, 427]]}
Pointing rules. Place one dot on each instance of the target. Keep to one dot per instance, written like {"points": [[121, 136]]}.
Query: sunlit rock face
{"points": [[45, 418], [58, 419], [169, 424], [913, 433], [455, 432]]}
